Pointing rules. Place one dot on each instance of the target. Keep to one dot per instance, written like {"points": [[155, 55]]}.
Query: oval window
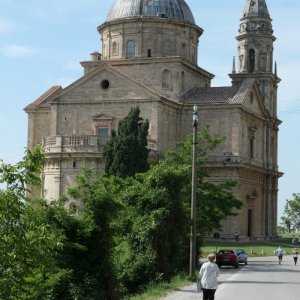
{"points": [[104, 84]]}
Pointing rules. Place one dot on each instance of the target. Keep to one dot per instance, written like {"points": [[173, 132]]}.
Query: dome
{"points": [[172, 9]]}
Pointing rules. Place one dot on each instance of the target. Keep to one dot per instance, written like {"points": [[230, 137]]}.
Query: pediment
{"points": [[105, 84], [252, 194], [102, 117], [253, 102], [253, 99]]}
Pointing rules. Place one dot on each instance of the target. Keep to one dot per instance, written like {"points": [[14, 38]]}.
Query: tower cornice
{"points": [[258, 75], [243, 36]]}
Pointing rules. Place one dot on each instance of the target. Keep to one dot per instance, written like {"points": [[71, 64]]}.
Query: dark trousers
{"points": [[295, 260], [208, 294]]}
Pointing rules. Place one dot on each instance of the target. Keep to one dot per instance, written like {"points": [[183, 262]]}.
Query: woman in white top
{"points": [[208, 273]]}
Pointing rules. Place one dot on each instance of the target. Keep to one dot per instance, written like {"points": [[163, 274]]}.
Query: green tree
{"points": [[215, 202], [151, 227], [126, 152], [281, 229], [25, 242], [154, 222], [88, 240], [291, 213]]}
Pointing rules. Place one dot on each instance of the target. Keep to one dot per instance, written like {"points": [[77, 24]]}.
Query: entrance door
{"points": [[250, 219]]}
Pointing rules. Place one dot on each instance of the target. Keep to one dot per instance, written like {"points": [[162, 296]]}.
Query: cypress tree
{"points": [[126, 153]]}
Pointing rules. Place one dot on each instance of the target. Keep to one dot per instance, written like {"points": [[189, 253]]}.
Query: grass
{"points": [[156, 291], [252, 248], [291, 235]]}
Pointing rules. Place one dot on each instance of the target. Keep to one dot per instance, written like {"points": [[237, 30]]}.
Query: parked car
{"points": [[243, 258], [227, 257]]}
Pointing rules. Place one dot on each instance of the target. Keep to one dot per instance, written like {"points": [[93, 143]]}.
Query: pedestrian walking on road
{"points": [[237, 236], [295, 256], [279, 253], [208, 274]]}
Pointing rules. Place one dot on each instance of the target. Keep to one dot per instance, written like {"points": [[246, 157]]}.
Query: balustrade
{"points": [[80, 143]]}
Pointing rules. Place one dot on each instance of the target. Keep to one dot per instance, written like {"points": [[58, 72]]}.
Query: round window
{"points": [[104, 84]]}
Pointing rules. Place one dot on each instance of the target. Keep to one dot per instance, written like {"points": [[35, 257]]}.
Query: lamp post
{"points": [[193, 197]]}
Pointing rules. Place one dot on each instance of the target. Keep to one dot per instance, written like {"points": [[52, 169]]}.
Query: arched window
{"points": [[252, 130], [166, 79], [130, 49], [251, 60], [149, 46], [115, 48]]}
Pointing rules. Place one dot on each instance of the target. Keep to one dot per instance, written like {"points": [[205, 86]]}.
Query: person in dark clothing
{"points": [[236, 235], [295, 256]]}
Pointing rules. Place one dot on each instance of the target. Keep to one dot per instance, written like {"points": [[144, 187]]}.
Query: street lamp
{"points": [[193, 198]]}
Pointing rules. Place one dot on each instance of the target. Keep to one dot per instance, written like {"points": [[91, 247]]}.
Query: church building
{"points": [[149, 58]]}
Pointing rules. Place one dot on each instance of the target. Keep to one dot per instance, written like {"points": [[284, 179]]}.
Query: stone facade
{"points": [[150, 60]]}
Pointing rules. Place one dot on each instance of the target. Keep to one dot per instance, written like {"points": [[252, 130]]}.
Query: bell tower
{"points": [[255, 60], [255, 52]]}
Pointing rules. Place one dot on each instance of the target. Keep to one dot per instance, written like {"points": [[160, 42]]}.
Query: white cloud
{"points": [[6, 26], [18, 51]]}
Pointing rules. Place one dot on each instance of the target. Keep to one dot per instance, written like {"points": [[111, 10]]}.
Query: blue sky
{"points": [[42, 43]]}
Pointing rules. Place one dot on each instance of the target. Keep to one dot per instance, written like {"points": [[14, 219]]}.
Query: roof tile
{"points": [[218, 95], [44, 99]]}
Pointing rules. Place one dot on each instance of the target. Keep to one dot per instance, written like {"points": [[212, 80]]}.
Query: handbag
{"points": [[198, 285]]}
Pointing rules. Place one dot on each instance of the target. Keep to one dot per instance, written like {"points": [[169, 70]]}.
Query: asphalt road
{"points": [[262, 279]]}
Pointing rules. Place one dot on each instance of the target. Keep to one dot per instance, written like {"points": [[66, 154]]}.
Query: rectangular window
{"points": [[252, 133], [251, 147], [103, 135]]}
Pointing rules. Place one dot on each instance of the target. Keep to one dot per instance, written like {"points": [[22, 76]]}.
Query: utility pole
{"points": [[193, 198]]}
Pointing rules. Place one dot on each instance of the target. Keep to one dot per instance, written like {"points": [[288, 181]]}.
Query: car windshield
{"points": [[226, 252], [239, 251]]}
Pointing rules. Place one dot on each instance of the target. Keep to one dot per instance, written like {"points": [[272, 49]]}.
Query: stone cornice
{"points": [[177, 59], [149, 60], [244, 170], [157, 20]]}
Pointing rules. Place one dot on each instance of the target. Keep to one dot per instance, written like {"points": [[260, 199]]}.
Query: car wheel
{"points": [[246, 263], [236, 266]]}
